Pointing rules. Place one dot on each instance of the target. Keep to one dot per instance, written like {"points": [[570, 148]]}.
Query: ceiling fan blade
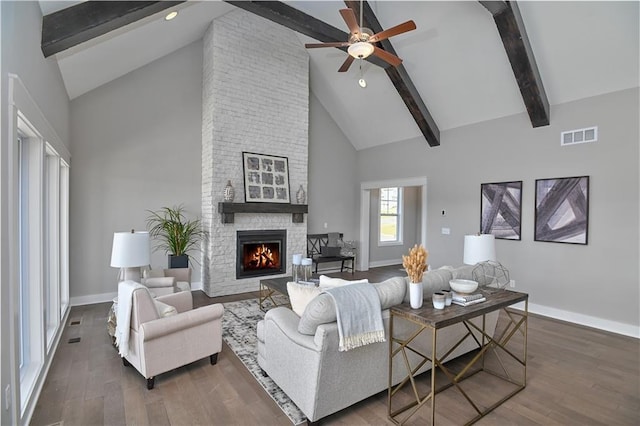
{"points": [[346, 64], [390, 32], [336, 44], [350, 19], [386, 56]]}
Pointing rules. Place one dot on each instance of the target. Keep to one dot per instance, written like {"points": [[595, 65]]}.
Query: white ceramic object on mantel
{"points": [[463, 286], [415, 295], [301, 196], [229, 192]]}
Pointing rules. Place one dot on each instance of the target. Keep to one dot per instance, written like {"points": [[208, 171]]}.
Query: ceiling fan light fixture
{"points": [[362, 82], [360, 50]]}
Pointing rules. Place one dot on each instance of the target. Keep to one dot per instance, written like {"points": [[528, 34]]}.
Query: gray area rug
{"points": [[239, 332]]}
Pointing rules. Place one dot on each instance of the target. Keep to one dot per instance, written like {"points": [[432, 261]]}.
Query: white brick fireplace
{"points": [[255, 98]]}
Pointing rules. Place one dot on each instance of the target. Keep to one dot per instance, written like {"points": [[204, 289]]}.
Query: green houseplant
{"points": [[175, 234]]}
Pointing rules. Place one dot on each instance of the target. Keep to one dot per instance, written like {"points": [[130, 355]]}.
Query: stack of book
{"points": [[467, 299]]}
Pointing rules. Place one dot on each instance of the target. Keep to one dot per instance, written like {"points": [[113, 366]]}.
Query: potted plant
{"points": [[176, 234]]}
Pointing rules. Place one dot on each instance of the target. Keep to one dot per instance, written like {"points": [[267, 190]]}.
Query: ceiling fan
{"points": [[361, 41]]}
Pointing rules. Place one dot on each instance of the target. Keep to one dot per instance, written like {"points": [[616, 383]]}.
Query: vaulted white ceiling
{"points": [[455, 59]]}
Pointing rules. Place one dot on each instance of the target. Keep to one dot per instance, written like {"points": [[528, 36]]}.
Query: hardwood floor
{"points": [[575, 376]]}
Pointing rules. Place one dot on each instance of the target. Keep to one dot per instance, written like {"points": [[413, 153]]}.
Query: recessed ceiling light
{"points": [[170, 15]]}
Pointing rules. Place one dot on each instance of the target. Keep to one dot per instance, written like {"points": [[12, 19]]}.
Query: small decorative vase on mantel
{"points": [[301, 196], [229, 192], [415, 295]]}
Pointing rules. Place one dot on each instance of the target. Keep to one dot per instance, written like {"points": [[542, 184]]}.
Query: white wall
{"points": [[562, 280], [136, 143], [21, 55], [333, 195]]}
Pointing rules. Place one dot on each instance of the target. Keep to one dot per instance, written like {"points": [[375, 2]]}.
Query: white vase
{"points": [[415, 295]]}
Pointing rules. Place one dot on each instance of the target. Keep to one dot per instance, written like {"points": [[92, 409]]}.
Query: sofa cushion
{"points": [[300, 295], [432, 281], [322, 310]]}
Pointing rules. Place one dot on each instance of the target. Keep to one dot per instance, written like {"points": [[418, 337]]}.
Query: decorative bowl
{"points": [[463, 286]]}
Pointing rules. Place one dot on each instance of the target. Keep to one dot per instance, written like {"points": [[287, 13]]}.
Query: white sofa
{"points": [[318, 378]]}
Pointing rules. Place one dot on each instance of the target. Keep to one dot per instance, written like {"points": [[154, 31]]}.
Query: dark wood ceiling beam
{"points": [[300, 22], [400, 79], [516, 44], [77, 24]]}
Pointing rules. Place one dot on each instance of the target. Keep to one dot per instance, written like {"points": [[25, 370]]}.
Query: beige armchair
{"points": [[163, 338], [166, 281]]}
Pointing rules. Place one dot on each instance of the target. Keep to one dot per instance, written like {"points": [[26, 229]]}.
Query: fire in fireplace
{"points": [[261, 253]]}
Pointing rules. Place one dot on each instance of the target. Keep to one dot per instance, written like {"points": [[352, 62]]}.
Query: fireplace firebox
{"points": [[262, 252]]}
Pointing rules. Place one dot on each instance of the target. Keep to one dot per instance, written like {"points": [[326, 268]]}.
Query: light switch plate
{"points": [[446, 231]]}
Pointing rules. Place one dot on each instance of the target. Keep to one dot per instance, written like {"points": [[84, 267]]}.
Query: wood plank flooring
{"points": [[575, 376]]}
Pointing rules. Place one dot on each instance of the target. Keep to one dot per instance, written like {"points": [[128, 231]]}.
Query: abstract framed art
{"points": [[266, 178], [501, 209], [562, 210]]}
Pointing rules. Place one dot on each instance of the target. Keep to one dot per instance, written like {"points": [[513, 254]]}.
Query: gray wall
{"points": [[136, 146], [390, 254], [21, 55], [333, 190], [558, 277]]}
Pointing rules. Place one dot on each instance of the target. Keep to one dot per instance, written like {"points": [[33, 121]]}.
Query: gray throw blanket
{"points": [[359, 315]]}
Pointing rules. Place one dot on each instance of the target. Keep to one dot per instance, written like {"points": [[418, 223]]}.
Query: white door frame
{"points": [[365, 198]]}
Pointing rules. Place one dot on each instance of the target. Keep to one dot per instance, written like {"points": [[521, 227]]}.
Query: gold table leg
{"points": [[518, 322]]}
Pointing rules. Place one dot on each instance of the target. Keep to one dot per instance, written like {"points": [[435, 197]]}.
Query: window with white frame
{"points": [[390, 216], [42, 189]]}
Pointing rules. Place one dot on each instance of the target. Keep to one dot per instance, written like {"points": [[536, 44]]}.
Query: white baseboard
{"points": [[108, 297], [381, 263], [586, 320], [91, 299]]}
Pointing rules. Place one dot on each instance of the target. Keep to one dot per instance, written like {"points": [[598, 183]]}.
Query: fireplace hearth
{"points": [[261, 252]]}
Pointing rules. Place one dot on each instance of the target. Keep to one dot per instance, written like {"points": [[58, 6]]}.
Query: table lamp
{"points": [[480, 250], [130, 251]]}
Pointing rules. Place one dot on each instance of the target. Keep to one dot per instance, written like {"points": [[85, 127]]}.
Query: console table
{"points": [[427, 319]]}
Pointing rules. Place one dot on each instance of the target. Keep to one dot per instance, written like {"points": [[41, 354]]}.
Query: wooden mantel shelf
{"points": [[227, 210]]}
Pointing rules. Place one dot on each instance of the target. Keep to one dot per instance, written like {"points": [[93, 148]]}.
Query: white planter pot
{"points": [[415, 295]]}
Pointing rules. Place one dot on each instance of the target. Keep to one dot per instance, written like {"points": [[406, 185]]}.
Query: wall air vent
{"points": [[572, 137]]}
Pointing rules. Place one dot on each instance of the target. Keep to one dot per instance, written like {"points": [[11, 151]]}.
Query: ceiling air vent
{"points": [[572, 137]]}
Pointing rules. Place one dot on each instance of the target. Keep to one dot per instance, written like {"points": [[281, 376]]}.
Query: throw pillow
{"points": [[328, 282], [165, 310], [152, 273], [159, 282], [300, 295], [322, 310]]}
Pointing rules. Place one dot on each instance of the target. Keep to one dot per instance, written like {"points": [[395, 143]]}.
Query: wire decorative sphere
{"points": [[491, 274]]}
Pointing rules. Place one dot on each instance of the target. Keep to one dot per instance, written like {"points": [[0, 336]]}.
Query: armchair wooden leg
{"points": [[213, 359], [151, 382]]}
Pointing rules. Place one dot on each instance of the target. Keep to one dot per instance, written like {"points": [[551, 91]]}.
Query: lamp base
{"points": [[132, 274]]}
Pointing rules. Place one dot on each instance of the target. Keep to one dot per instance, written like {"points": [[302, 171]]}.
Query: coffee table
{"points": [[270, 287], [428, 319]]}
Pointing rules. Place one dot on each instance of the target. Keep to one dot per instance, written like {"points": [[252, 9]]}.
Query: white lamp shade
{"points": [[130, 249], [479, 248]]}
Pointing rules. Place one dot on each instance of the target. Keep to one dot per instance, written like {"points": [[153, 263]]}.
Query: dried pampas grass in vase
{"points": [[415, 264]]}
